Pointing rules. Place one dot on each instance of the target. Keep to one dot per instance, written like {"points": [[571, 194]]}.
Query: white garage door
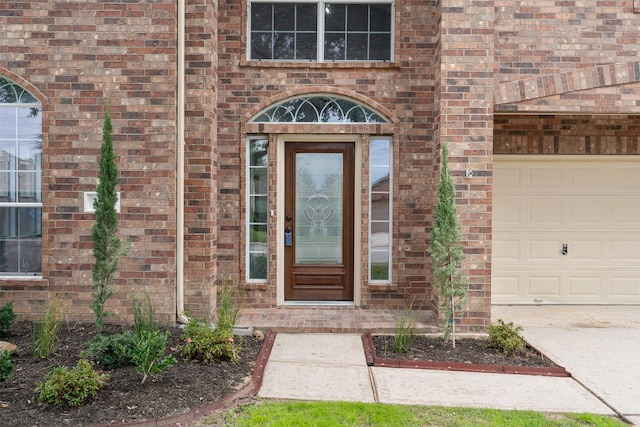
{"points": [[566, 230]]}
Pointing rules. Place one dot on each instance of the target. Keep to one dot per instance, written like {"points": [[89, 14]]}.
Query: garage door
{"points": [[566, 230]]}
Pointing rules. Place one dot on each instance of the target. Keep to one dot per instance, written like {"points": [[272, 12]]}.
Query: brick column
{"points": [[464, 120], [200, 158]]}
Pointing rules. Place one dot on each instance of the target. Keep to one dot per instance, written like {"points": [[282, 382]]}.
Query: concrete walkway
{"points": [[605, 379]]}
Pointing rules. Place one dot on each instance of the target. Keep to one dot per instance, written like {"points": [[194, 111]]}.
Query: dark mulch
{"points": [[467, 350], [184, 386]]}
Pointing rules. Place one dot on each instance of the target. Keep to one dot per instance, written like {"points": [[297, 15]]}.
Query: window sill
{"points": [[319, 65], [382, 287], [256, 286]]}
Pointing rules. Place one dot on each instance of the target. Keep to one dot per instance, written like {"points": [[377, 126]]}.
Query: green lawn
{"points": [[329, 414]]}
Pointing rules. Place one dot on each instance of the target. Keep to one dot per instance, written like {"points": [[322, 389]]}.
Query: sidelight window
{"points": [[257, 208]]}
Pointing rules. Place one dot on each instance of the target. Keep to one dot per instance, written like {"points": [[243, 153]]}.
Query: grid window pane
{"points": [[357, 46], [380, 47], [358, 17], [352, 31], [284, 17], [261, 17], [334, 17], [20, 240], [380, 17]]}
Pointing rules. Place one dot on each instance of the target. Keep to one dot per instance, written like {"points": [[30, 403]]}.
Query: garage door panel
{"points": [[626, 250], [625, 178], [545, 251], [544, 213], [585, 286], [589, 203], [544, 177], [625, 289]]}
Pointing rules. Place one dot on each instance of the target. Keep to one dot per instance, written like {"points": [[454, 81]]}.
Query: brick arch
{"points": [[330, 90], [9, 75], [568, 81]]}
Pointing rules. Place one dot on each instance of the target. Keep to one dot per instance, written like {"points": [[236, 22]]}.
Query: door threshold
{"points": [[319, 303]]}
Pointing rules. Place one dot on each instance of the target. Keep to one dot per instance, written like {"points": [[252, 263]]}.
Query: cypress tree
{"points": [[447, 252], [108, 249]]}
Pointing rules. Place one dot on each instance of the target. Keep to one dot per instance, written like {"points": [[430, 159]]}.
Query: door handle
{"points": [[288, 237], [565, 249]]}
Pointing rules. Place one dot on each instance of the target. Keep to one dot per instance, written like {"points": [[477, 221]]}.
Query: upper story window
{"points": [[323, 31], [20, 181]]}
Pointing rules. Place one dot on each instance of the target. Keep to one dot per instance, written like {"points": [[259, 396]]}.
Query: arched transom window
{"points": [[319, 109]]}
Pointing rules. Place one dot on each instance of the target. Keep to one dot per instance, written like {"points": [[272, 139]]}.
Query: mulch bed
{"points": [[470, 354], [182, 387]]}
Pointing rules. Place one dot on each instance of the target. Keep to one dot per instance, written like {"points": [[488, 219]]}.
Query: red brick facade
{"points": [[484, 76]]}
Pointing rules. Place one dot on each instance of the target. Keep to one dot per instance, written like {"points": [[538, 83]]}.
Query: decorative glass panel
{"points": [[380, 209], [257, 226], [20, 181], [319, 109], [319, 208]]}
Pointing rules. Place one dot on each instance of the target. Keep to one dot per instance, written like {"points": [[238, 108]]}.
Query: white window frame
{"points": [[390, 207], [248, 222], [320, 25], [37, 179]]}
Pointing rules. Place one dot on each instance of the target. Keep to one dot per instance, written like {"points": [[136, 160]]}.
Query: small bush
{"points": [[113, 351], [44, 335], [227, 309], [72, 387], [148, 353], [6, 365], [7, 316], [506, 338], [143, 318], [404, 335], [207, 344]]}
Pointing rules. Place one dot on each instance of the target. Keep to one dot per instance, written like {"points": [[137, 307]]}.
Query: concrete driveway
{"points": [[599, 345]]}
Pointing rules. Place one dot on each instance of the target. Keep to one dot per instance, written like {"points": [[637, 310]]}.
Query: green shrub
{"points": [[506, 338], [113, 351], [227, 308], [6, 365], [144, 350], [44, 335], [207, 344], [404, 331], [7, 316], [143, 318], [148, 353], [72, 387]]}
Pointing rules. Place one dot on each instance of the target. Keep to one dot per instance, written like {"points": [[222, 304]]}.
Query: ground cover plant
{"points": [[123, 398], [347, 414]]}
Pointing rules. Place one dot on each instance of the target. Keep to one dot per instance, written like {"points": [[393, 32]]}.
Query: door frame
{"points": [[280, 213]]}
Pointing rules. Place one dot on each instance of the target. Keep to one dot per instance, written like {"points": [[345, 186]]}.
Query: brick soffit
{"points": [[568, 81]]}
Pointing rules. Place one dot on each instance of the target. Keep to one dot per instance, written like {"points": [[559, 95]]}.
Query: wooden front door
{"points": [[319, 181]]}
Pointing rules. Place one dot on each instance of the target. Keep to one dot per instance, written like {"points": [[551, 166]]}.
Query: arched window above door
{"points": [[319, 109]]}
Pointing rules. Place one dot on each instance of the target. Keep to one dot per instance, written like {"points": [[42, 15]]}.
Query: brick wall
{"points": [[567, 134], [80, 56], [567, 56], [201, 183]]}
